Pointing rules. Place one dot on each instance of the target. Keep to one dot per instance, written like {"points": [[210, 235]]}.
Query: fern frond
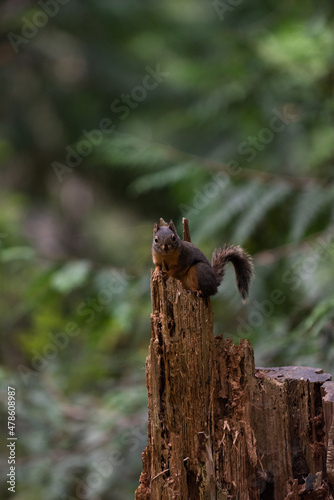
{"points": [[131, 151], [236, 199], [317, 319], [161, 179], [309, 204], [269, 198]]}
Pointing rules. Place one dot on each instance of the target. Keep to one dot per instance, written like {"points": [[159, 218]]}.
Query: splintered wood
{"points": [[221, 429]]}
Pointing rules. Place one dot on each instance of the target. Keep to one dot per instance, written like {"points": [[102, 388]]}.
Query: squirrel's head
{"points": [[165, 239]]}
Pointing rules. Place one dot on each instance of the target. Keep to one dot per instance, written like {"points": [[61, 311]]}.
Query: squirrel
{"points": [[186, 263]]}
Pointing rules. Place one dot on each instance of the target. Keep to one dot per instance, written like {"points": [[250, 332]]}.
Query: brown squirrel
{"points": [[185, 262]]}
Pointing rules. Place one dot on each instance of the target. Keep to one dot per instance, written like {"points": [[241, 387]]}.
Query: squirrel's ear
{"points": [[171, 226], [156, 228]]}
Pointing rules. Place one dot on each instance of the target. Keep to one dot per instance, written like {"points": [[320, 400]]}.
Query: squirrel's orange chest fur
{"points": [[169, 261], [172, 265]]}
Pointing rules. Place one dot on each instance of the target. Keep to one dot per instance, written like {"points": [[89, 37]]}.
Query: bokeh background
{"points": [[114, 114]]}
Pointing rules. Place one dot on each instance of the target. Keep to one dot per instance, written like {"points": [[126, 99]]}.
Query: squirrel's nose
{"points": [[165, 246]]}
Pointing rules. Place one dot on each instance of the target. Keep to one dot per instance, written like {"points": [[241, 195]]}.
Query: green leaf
{"points": [[17, 253], [319, 316], [309, 204], [71, 276], [129, 151], [236, 200], [161, 179], [285, 49], [258, 211]]}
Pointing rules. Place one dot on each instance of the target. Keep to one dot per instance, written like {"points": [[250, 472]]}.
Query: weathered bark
{"points": [[220, 429]]}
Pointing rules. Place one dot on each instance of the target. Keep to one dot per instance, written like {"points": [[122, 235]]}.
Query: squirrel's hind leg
{"points": [[200, 278]]}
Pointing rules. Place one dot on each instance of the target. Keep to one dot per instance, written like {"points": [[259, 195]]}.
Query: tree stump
{"points": [[221, 429]]}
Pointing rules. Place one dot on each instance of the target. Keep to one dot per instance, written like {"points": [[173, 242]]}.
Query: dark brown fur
{"points": [[185, 262], [243, 266]]}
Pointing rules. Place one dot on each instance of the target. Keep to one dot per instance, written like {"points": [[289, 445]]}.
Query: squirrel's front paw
{"points": [[158, 271]]}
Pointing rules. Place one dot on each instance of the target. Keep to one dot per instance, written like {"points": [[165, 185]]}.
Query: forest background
{"points": [[114, 114]]}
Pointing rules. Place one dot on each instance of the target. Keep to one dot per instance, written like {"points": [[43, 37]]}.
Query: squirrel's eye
{"points": [[156, 239], [173, 237]]}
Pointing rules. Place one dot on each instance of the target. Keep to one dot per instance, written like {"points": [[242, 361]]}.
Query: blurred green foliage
{"points": [[113, 115]]}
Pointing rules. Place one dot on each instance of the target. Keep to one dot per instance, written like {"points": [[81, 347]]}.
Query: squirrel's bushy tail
{"points": [[242, 262]]}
